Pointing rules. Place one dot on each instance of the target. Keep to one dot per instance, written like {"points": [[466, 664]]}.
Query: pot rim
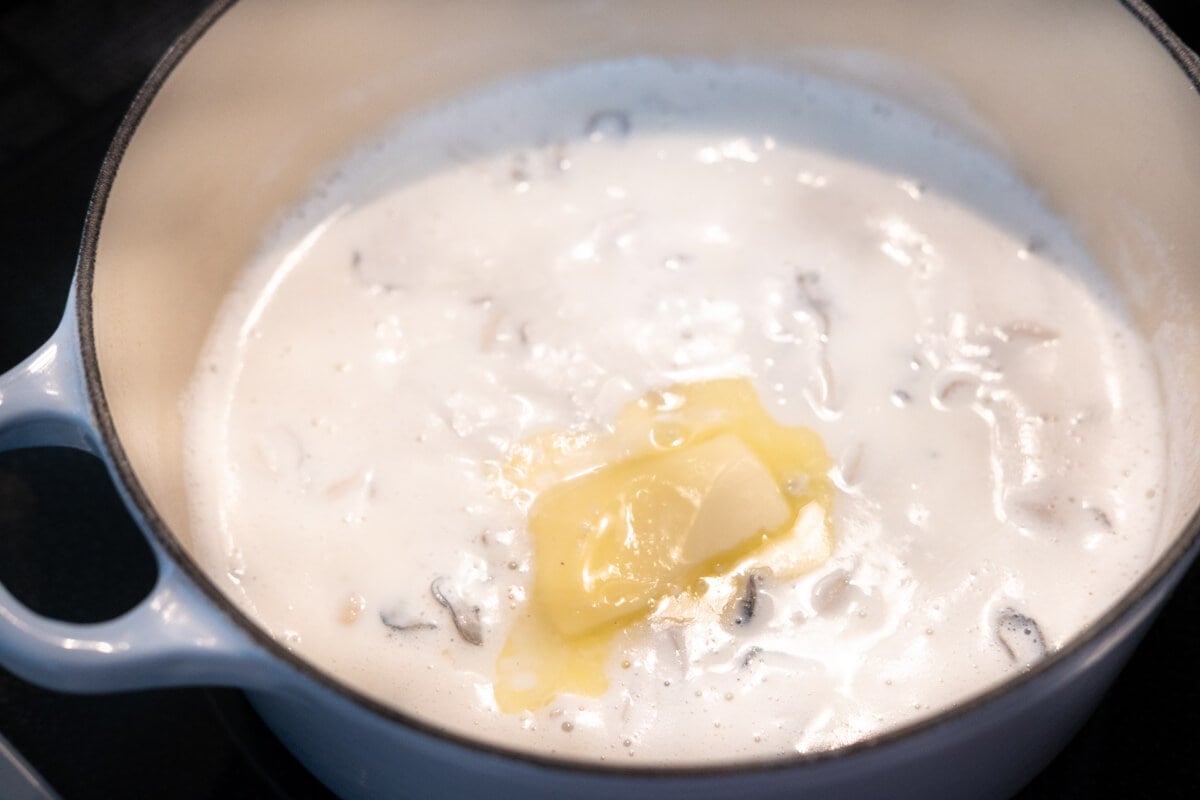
{"points": [[1181, 549]]}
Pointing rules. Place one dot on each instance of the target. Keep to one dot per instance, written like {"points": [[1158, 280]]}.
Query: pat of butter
{"points": [[609, 544], [693, 484]]}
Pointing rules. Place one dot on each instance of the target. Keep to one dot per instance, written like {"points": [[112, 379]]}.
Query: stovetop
{"points": [[68, 70]]}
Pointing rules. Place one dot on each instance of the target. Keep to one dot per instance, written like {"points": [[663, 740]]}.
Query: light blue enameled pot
{"points": [[1094, 103]]}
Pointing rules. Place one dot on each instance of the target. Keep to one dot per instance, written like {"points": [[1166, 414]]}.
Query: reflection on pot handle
{"points": [[174, 636]]}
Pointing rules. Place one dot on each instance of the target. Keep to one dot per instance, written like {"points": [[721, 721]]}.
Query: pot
{"points": [[1096, 114]]}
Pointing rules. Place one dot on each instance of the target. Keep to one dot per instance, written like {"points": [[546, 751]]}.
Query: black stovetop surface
{"points": [[68, 70]]}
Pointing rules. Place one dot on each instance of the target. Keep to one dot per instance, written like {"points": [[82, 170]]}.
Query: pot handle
{"points": [[174, 636]]}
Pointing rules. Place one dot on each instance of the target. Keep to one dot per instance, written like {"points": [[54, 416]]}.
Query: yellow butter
{"points": [[610, 543], [693, 484]]}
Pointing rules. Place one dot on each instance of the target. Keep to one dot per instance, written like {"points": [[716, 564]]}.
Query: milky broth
{"points": [[538, 256]]}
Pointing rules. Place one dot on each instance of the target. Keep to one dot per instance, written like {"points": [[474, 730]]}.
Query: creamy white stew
{"points": [[673, 412]]}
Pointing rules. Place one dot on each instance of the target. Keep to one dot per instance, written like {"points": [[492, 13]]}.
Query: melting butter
{"points": [[694, 485]]}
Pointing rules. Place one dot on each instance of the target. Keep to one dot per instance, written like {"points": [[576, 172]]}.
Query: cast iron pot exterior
{"points": [[186, 632]]}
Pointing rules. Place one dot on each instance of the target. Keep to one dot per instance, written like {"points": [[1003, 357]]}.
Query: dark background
{"points": [[68, 71]]}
